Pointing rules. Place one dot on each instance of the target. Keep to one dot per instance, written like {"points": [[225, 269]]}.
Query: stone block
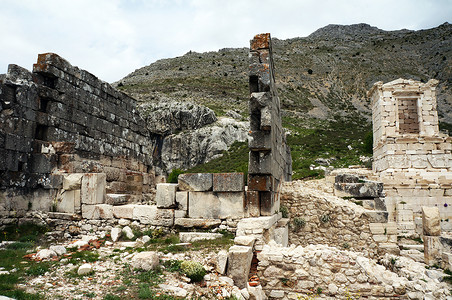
{"points": [[257, 223], [267, 203], [239, 263], [116, 199], [180, 214], [211, 205], [98, 211], [93, 188], [166, 195], [152, 215], [222, 260], [368, 189], [69, 202], [228, 182], [197, 223], [260, 162], [252, 205], [432, 250], [182, 200], [260, 182], [260, 141], [245, 241], [72, 181], [123, 211], [195, 182], [282, 236], [431, 221], [377, 216], [189, 237]]}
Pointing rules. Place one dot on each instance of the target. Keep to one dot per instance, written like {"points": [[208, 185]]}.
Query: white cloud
{"points": [[111, 38]]}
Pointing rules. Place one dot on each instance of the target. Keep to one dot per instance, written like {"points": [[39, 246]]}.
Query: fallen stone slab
{"points": [[239, 262], [189, 237]]}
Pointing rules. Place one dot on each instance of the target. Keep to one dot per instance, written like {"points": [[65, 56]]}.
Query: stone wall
{"points": [[270, 162], [60, 120], [294, 272], [411, 157], [320, 218]]}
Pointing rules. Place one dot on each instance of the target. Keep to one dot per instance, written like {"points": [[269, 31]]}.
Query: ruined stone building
{"points": [[59, 120], [411, 157]]}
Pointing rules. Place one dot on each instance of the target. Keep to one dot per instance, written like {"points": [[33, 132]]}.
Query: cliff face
{"points": [[322, 81]]}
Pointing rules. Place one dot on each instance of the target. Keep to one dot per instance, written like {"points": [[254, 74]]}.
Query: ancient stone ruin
{"points": [[411, 157], [76, 154], [270, 162]]}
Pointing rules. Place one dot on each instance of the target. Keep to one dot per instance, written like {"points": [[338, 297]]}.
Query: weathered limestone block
{"points": [[245, 241], [257, 223], [69, 202], [116, 199], [282, 235], [211, 205], [239, 263], [72, 181], [431, 221], [147, 260], [182, 200], [195, 182], [97, 211], [123, 211], [197, 223], [432, 250], [166, 195], [228, 182], [222, 260], [252, 205], [151, 214], [93, 188], [368, 189], [188, 237]]}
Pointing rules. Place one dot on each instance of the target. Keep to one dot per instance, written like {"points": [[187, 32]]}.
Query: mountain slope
{"points": [[322, 81]]}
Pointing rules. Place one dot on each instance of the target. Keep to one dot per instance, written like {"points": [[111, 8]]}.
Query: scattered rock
{"points": [[84, 269], [115, 234], [46, 254], [60, 250], [222, 260], [128, 232], [147, 260]]}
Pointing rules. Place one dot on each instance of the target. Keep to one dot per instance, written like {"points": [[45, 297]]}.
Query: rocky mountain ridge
{"points": [[322, 81]]}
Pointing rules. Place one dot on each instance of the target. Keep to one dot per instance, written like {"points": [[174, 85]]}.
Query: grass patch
{"points": [[233, 160], [28, 232], [27, 236]]}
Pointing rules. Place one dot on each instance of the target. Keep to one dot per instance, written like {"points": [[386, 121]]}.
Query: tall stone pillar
{"points": [[270, 162]]}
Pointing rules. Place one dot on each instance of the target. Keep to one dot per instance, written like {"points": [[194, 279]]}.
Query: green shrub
{"points": [[172, 177], [298, 223], [368, 142], [284, 211], [193, 270]]}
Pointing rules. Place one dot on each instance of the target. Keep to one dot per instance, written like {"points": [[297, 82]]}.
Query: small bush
{"points": [[298, 223], [172, 177], [284, 211], [193, 270]]}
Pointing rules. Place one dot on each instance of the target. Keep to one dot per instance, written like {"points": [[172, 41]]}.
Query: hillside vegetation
{"points": [[322, 81]]}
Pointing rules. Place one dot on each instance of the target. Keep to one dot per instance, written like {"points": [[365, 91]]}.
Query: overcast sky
{"points": [[111, 38]]}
